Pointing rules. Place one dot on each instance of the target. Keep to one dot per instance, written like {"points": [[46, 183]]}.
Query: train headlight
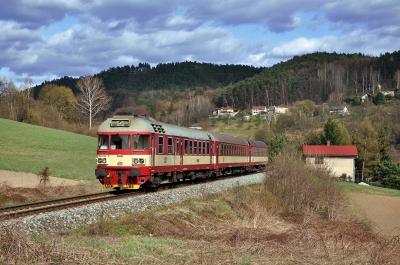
{"points": [[101, 160], [141, 160], [135, 160]]}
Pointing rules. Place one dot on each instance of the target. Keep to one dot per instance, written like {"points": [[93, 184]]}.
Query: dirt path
{"points": [[382, 212], [28, 180]]}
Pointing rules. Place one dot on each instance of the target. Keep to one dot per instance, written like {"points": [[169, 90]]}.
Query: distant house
{"points": [[224, 112], [340, 159], [388, 93], [339, 110], [255, 110], [281, 109]]}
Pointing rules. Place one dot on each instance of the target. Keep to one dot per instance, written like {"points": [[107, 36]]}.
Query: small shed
{"points": [[340, 159]]}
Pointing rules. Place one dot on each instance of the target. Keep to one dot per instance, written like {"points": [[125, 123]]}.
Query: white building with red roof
{"points": [[281, 109], [340, 159], [256, 110], [224, 112]]}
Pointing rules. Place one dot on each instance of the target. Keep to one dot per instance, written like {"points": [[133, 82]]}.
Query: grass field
{"points": [[29, 148], [354, 188]]}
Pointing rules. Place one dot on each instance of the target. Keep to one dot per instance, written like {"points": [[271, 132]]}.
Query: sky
{"points": [[49, 39]]}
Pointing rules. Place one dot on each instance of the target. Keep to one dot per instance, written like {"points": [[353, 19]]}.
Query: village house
{"points": [[339, 159], [281, 109], [256, 110], [388, 93], [339, 110], [224, 112]]}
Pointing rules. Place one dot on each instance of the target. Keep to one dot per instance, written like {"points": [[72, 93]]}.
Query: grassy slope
{"points": [[29, 148]]}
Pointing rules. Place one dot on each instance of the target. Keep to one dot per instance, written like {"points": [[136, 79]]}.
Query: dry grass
{"points": [[296, 217]]}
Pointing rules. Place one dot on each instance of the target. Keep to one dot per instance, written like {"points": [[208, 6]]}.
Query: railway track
{"points": [[17, 211], [12, 212]]}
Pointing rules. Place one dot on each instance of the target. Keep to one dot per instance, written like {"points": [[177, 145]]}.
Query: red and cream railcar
{"points": [[138, 150]]}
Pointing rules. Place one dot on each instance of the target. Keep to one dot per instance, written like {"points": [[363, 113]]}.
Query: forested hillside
{"points": [[320, 77], [165, 76]]}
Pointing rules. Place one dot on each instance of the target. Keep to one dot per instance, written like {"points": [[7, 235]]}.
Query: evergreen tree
{"points": [[380, 99], [331, 132]]}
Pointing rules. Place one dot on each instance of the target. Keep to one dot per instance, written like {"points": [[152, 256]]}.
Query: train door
{"points": [[217, 153], [181, 154], [176, 151], [153, 150], [209, 152]]}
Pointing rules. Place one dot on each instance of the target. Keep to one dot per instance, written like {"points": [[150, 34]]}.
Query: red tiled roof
{"points": [[259, 107], [330, 150]]}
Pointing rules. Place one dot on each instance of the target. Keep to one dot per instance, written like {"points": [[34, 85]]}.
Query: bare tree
{"points": [[93, 97]]}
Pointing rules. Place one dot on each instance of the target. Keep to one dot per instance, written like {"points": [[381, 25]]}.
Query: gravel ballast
{"points": [[58, 221]]}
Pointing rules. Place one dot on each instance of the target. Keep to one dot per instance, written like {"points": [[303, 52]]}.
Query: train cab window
{"points": [[160, 144], [120, 141], [170, 145], [140, 142], [102, 141]]}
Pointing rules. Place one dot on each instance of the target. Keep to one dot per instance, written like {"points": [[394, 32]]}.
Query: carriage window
{"points": [[140, 142], [160, 144], [177, 147], [195, 148], [120, 141], [191, 147], [186, 146], [208, 148], [169, 145]]}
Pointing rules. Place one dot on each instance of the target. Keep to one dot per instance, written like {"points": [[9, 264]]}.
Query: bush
{"points": [[303, 188]]}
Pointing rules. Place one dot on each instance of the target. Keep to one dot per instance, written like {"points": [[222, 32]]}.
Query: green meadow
{"points": [[30, 148]]}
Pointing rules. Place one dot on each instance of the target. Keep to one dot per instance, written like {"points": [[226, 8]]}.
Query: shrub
{"points": [[302, 188]]}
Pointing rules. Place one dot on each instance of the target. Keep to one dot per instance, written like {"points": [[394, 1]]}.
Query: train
{"points": [[136, 151]]}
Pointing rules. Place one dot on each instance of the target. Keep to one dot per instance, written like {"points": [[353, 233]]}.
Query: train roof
{"points": [[257, 143], [129, 122], [228, 139]]}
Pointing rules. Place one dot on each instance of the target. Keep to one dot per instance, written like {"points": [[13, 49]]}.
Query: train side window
{"points": [[191, 147], [160, 144], [207, 148], [195, 147], [169, 145], [177, 147], [186, 146]]}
